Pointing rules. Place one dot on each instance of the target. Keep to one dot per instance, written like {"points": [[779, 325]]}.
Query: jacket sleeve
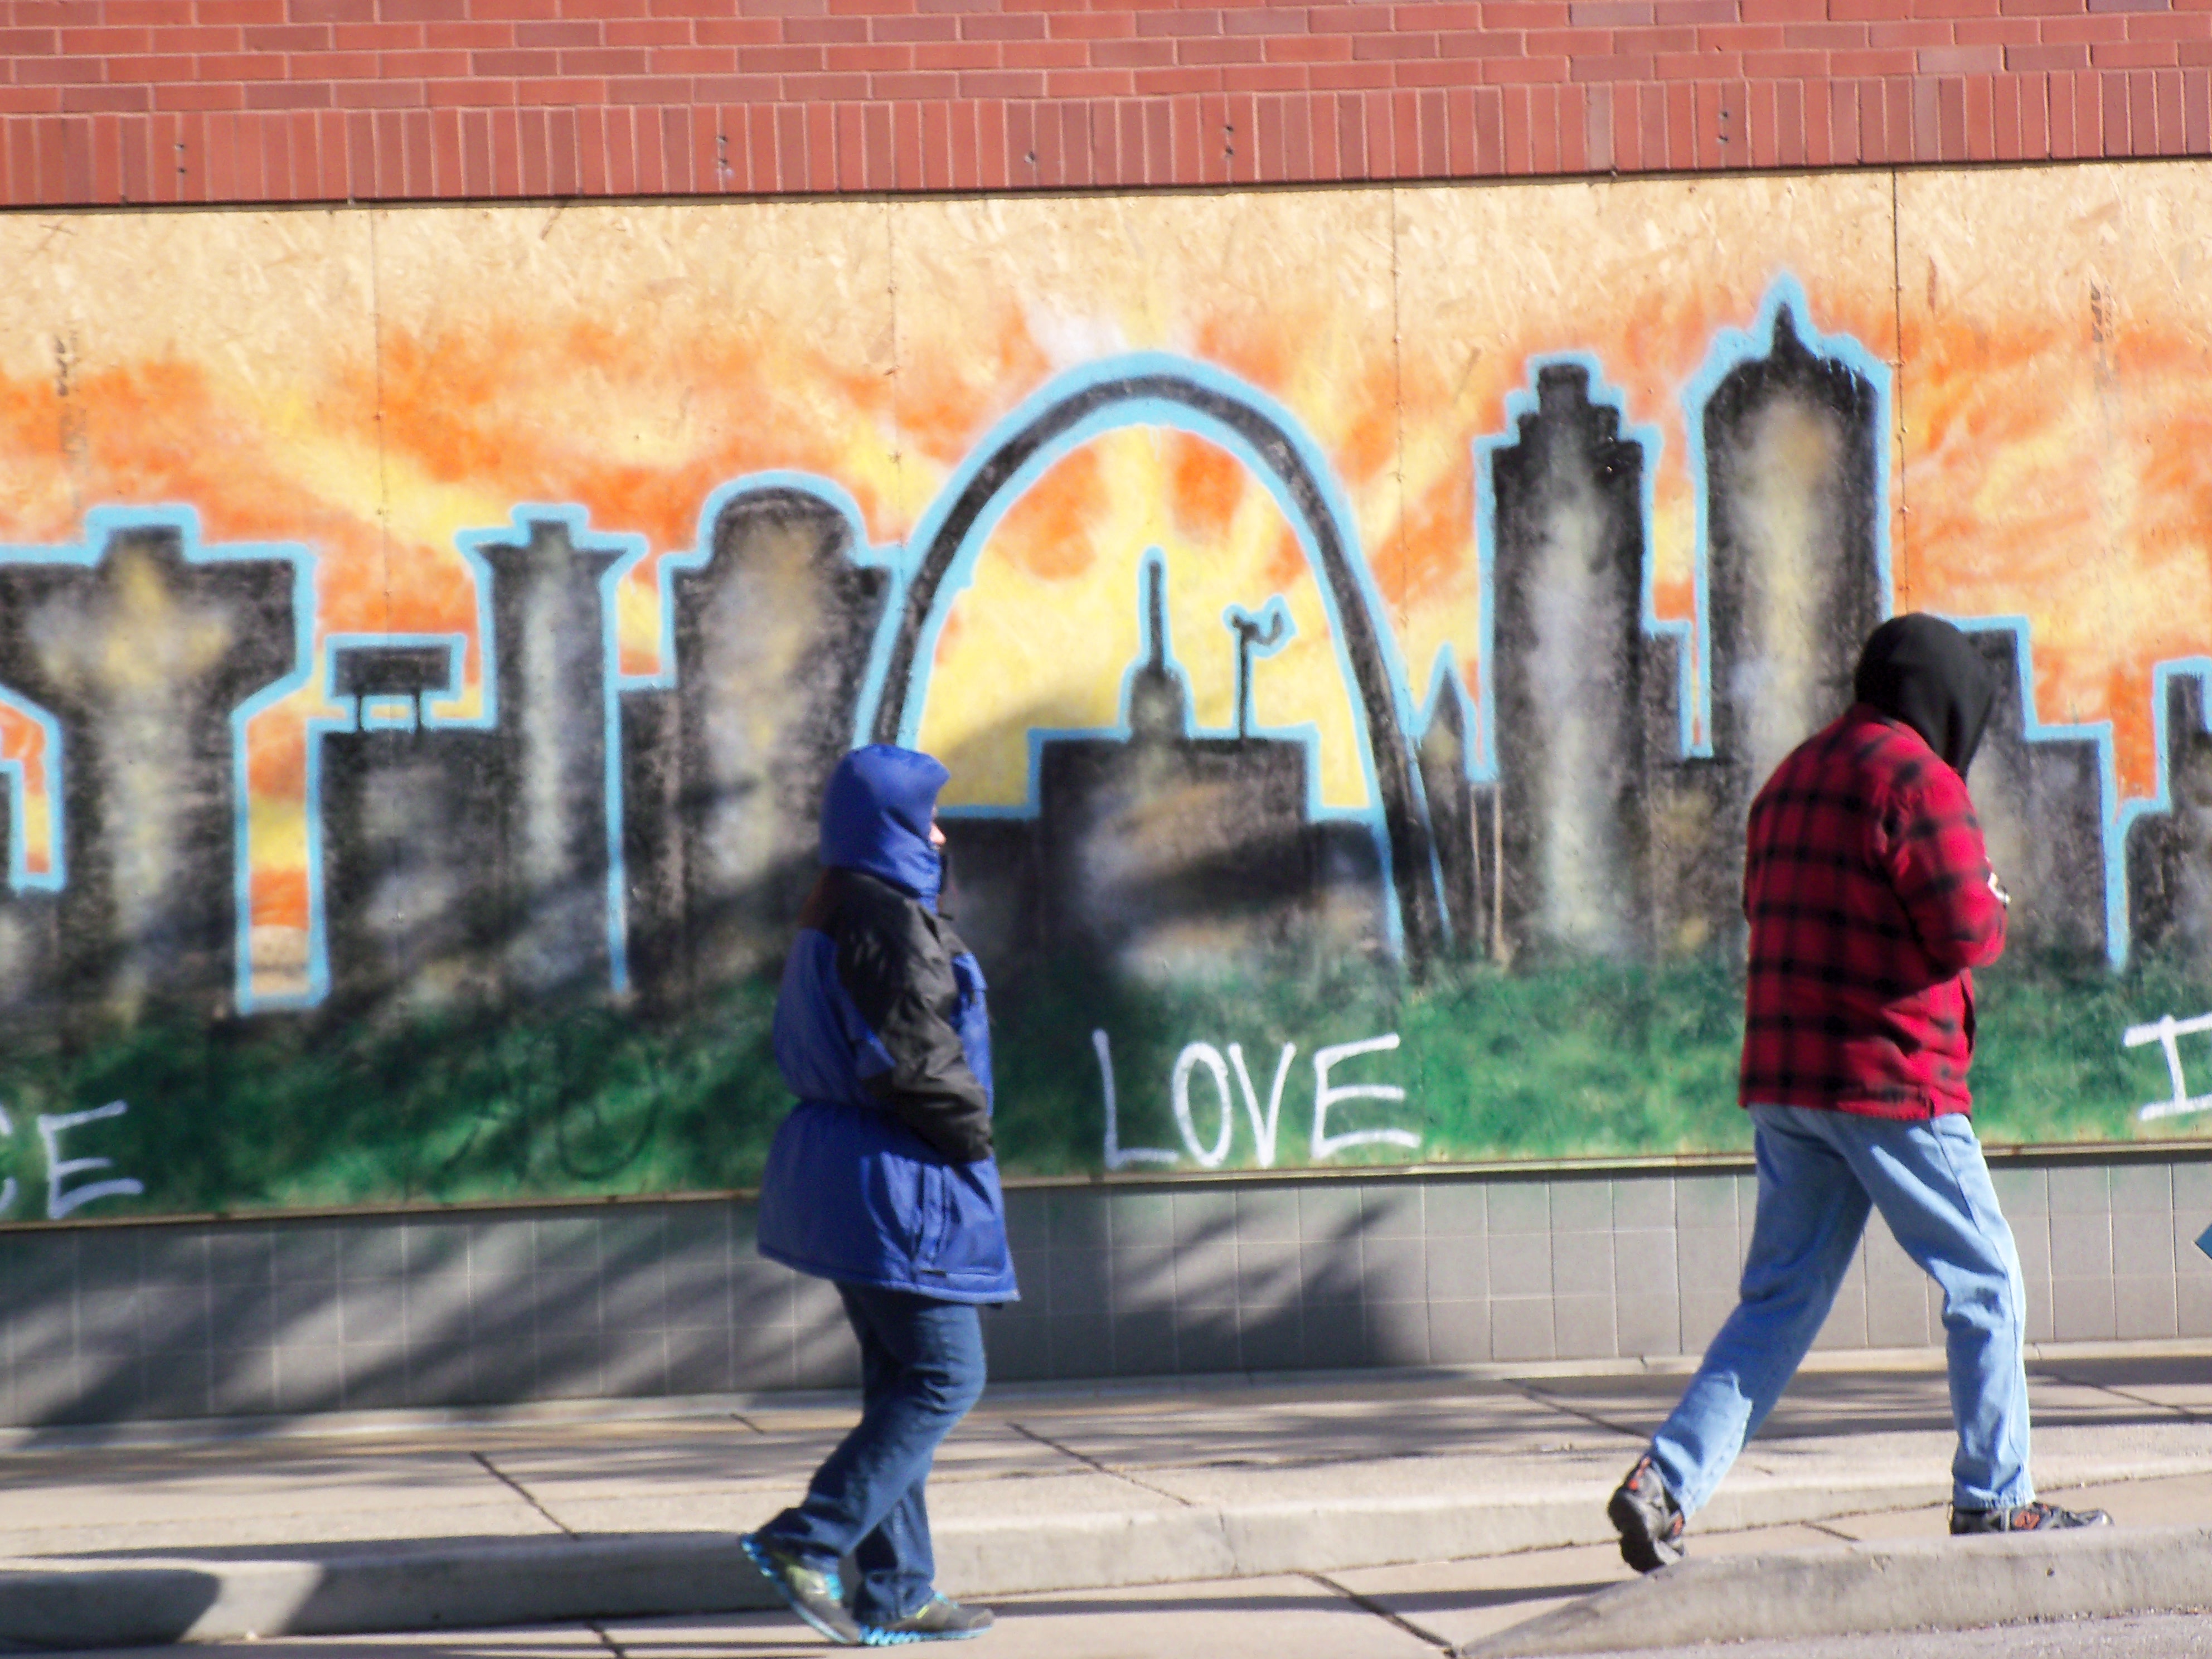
{"points": [[1940, 871], [899, 976]]}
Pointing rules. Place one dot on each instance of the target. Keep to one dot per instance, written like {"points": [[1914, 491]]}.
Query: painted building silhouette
{"points": [[139, 657], [588, 835], [2169, 891], [1163, 847], [1610, 840], [723, 771], [473, 863], [1572, 767]]}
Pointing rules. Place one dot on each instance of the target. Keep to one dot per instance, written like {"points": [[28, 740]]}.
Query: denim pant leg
{"points": [[1932, 1186], [1812, 1210], [922, 1368], [897, 1567]]}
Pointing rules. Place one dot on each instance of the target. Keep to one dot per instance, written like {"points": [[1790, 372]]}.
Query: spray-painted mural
{"points": [[1356, 622]]}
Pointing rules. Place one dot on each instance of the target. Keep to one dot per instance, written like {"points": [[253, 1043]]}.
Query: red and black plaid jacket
{"points": [[1871, 899]]}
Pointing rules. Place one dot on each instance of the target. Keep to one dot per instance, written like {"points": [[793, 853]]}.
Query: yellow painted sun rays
{"points": [[1042, 637]]}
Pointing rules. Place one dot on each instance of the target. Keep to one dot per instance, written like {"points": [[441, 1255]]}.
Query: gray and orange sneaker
{"points": [[937, 1620], [815, 1594], [2023, 1517], [1649, 1521]]}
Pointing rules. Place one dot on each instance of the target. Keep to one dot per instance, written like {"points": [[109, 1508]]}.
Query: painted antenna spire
{"points": [[1159, 700], [1259, 633]]}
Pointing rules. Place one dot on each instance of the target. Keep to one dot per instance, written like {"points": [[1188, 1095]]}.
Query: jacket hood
{"points": [[1920, 669], [876, 817]]}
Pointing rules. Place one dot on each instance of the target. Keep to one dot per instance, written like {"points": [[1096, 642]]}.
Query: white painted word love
{"points": [[1217, 1067], [61, 1197]]}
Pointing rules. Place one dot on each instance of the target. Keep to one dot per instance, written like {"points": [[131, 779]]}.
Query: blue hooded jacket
{"points": [[883, 1175]]}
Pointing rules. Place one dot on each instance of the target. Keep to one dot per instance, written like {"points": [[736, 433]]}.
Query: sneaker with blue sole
{"points": [[816, 1594], [937, 1620]]}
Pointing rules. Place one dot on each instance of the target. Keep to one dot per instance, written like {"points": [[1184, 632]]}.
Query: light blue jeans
{"points": [[1818, 1175]]}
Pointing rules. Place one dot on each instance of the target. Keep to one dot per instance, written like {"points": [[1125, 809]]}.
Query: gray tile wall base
{"points": [[643, 1301]]}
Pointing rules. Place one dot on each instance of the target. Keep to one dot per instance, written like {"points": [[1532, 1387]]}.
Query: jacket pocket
{"points": [[894, 1195], [975, 1239], [935, 1214]]}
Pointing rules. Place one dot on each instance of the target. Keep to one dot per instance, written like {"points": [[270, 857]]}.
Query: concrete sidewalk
{"points": [[1419, 1512]]}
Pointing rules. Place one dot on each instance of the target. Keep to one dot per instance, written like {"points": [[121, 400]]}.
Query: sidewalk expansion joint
{"points": [[1105, 1469], [524, 1493], [2134, 1399], [1369, 1604], [612, 1646], [1539, 1397]]}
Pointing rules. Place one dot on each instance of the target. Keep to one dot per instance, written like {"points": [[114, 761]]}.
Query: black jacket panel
{"points": [[895, 960]]}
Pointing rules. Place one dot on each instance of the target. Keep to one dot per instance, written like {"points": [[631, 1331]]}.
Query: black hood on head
{"points": [[1920, 670]]}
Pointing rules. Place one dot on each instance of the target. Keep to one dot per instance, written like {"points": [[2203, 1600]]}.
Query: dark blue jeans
{"points": [[922, 1368]]}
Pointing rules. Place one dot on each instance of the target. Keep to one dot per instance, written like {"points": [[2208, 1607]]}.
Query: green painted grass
{"points": [[1577, 1061]]}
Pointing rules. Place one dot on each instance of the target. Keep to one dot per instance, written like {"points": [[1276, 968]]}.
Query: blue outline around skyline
{"points": [[860, 551], [439, 711], [2112, 818], [1146, 410], [21, 878], [628, 548], [1521, 401], [2162, 676], [1306, 733], [313, 729], [1446, 679], [1730, 348], [101, 525]]}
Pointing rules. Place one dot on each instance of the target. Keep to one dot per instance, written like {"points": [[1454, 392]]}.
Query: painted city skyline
{"points": [[1338, 595]]}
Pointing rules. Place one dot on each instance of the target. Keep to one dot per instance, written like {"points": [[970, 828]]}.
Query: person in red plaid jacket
{"points": [[1871, 902]]}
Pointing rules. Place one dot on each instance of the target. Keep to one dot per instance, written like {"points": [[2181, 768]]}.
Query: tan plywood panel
{"points": [[627, 359], [208, 358], [624, 367], [2058, 395], [1646, 280], [1169, 521], [1279, 306], [221, 363]]}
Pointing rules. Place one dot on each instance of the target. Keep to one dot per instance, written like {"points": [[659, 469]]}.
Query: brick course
{"points": [[107, 101]]}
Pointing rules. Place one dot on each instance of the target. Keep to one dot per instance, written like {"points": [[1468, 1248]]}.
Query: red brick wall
{"points": [[287, 100]]}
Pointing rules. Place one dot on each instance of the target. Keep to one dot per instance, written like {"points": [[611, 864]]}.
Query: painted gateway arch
{"points": [[1161, 390]]}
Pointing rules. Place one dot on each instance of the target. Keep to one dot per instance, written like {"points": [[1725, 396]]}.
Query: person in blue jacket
{"points": [[882, 1180]]}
